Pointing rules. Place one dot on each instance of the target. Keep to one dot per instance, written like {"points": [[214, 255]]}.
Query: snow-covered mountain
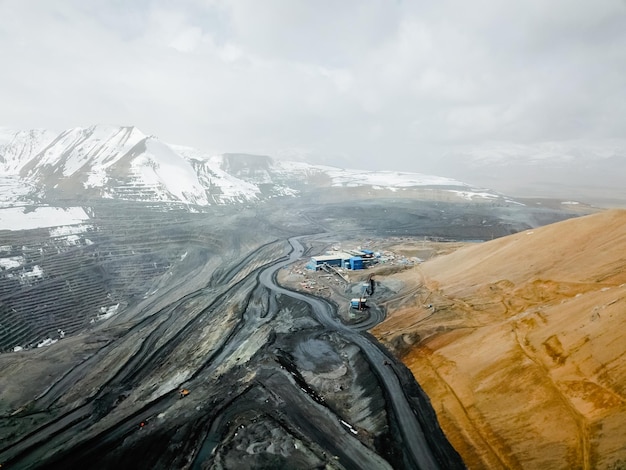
{"points": [[18, 147], [124, 163]]}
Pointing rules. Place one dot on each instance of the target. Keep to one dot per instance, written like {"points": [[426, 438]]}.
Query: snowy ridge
{"points": [[124, 163], [169, 174], [222, 186], [94, 149], [18, 147]]}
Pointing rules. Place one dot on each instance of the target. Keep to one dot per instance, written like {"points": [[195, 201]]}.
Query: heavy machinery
{"points": [[360, 303]]}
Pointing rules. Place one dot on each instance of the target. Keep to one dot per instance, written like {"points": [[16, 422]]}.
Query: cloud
{"points": [[375, 83]]}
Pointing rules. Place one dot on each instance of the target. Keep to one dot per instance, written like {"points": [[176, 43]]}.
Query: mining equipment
{"points": [[333, 270], [358, 303]]}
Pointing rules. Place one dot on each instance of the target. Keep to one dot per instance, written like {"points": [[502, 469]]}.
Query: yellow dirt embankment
{"points": [[521, 342]]}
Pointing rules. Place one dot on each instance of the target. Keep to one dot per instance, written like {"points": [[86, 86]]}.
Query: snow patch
{"points": [[36, 272], [46, 342], [72, 240], [470, 195], [23, 218], [69, 230], [105, 313], [384, 179], [11, 262], [14, 191]]}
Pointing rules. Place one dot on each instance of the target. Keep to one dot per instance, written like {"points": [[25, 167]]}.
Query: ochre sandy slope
{"points": [[521, 344]]}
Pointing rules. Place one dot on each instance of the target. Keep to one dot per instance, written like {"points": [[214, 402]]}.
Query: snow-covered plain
{"points": [[386, 179], [26, 218]]}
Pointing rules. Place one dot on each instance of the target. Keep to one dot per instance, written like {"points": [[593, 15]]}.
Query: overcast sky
{"points": [[379, 84]]}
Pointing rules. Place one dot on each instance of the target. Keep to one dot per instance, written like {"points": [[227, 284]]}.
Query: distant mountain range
{"points": [[124, 163], [594, 172]]}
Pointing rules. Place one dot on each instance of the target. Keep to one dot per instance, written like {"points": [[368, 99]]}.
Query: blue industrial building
{"points": [[356, 259], [356, 262], [338, 260]]}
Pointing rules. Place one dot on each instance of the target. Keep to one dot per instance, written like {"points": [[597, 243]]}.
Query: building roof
{"points": [[340, 256]]}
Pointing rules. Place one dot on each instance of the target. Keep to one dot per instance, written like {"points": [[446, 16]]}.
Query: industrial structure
{"points": [[367, 288], [333, 261], [349, 259], [359, 303]]}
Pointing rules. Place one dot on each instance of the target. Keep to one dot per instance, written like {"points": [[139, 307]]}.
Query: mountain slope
{"points": [[124, 163], [92, 150], [18, 147], [519, 343]]}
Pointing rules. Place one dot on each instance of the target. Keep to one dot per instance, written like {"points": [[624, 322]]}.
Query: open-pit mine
{"points": [[145, 338], [163, 308]]}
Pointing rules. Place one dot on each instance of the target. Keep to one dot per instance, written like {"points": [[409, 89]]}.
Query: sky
{"points": [[374, 84]]}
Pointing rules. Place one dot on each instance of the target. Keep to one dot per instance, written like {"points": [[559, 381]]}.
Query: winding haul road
{"points": [[411, 429]]}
